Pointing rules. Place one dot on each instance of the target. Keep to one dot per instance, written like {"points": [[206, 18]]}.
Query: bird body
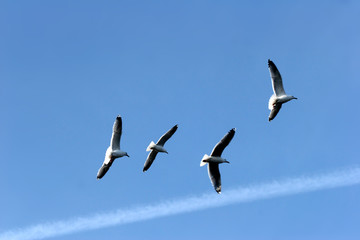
{"points": [[156, 147], [113, 154], [279, 100], [212, 159]]}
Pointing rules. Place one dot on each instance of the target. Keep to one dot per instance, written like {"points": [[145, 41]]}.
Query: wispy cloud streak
{"points": [[189, 204]]}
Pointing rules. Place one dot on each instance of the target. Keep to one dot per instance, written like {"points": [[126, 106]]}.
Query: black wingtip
{"points": [[270, 62], [232, 131], [118, 117]]}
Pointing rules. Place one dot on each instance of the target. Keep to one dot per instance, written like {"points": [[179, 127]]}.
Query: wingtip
{"points": [[233, 130], [118, 116]]}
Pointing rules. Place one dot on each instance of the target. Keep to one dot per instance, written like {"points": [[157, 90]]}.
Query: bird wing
{"points": [[102, 171], [220, 146], [104, 168], [117, 129], [167, 135], [151, 157], [214, 175], [274, 111], [276, 79]]}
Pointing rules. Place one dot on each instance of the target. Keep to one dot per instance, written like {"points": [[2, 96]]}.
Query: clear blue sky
{"points": [[68, 68]]}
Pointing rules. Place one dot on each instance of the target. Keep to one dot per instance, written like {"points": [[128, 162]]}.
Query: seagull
{"points": [[279, 97], [158, 147], [113, 150], [215, 158]]}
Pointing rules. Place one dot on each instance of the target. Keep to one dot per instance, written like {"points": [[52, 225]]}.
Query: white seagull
{"points": [[279, 97], [158, 147], [113, 150], [215, 158]]}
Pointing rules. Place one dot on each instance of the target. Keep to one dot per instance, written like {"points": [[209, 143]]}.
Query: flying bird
{"points": [[158, 147], [215, 158], [113, 150], [279, 97]]}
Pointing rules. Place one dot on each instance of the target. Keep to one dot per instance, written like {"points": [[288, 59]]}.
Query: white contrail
{"points": [[242, 194]]}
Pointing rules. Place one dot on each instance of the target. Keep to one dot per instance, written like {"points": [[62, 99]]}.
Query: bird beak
{"points": [[127, 155], [167, 152], [295, 98], [227, 161]]}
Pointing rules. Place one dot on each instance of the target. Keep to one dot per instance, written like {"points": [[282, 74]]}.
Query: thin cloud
{"points": [[188, 204]]}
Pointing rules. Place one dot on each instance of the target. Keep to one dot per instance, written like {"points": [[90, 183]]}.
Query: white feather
{"points": [[202, 163], [151, 145], [272, 101]]}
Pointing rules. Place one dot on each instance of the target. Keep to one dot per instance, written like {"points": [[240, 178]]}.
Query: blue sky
{"points": [[68, 68]]}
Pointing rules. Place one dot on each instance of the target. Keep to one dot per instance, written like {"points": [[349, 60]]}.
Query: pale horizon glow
{"points": [[290, 186]]}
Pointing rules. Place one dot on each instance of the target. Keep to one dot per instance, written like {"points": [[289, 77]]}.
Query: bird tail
{"points": [[151, 145], [202, 163]]}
